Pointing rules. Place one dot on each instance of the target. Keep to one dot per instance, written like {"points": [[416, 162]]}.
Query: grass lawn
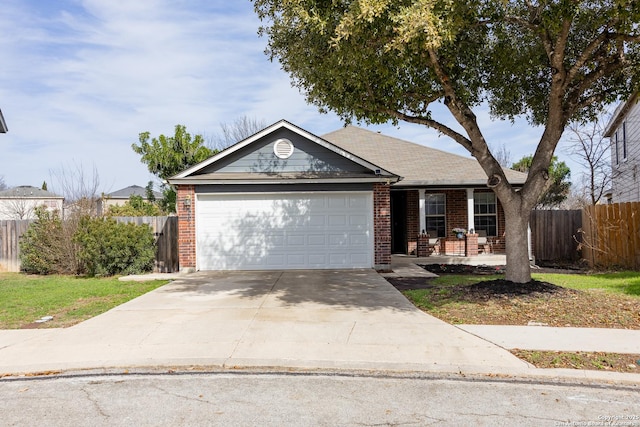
{"points": [[70, 300], [610, 300]]}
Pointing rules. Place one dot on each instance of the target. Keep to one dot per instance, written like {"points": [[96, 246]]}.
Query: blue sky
{"points": [[79, 80]]}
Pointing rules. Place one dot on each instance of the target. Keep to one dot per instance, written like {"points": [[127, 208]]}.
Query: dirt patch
{"points": [[600, 361]]}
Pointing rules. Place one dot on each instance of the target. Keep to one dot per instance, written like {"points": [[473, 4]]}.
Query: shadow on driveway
{"points": [[349, 289]]}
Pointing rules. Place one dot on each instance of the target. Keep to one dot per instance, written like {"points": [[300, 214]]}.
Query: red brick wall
{"points": [[382, 226], [413, 219], [186, 207]]}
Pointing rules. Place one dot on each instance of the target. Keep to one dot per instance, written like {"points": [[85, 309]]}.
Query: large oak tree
{"points": [[553, 62]]}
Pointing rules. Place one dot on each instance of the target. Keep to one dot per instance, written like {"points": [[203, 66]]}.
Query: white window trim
{"points": [[445, 209], [495, 214]]}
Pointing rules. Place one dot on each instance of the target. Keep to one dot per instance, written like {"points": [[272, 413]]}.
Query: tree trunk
{"points": [[516, 241]]}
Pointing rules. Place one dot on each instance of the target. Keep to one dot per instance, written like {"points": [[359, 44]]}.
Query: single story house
{"points": [[285, 198], [21, 202], [122, 196]]}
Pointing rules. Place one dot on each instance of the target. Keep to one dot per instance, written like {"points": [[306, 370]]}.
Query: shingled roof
{"points": [[132, 190], [417, 164], [27, 192]]}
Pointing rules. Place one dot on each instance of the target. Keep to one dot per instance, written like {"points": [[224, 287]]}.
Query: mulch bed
{"points": [[482, 290]]}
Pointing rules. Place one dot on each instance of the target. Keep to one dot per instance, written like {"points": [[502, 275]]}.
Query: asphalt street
{"points": [[310, 399]]}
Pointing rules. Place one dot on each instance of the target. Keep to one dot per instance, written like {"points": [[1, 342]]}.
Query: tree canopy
{"points": [[166, 156], [551, 61]]}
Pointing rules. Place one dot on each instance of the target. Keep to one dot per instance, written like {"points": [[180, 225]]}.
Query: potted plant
{"points": [[459, 232]]}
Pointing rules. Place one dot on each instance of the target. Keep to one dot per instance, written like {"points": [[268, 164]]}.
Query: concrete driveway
{"points": [[329, 319]]}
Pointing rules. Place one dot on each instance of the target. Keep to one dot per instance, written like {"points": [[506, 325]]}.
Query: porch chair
{"points": [[434, 242], [484, 243]]}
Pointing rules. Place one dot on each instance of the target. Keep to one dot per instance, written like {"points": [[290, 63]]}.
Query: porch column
{"points": [[422, 211], [382, 227], [185, 202], [470, 221]]}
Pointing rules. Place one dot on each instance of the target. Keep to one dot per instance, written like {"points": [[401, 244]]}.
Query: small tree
{"points": [[165, 156], [592, 150], [79, 188], [19, 208], [240, 129], [3, 185], [559, 174]]}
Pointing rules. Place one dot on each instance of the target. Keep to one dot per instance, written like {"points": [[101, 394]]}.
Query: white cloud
{"points": [[81, 78]]}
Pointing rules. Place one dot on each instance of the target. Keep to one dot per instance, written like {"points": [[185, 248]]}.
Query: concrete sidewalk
{"points": [[559, 339]]}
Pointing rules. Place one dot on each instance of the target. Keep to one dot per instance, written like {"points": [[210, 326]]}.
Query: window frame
{"points": [[443, 215], [493, 214]]}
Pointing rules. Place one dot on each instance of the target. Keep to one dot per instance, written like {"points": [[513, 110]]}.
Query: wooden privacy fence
{"points": [[555, 234], [164, 228], [611, 235], [10, 232]]}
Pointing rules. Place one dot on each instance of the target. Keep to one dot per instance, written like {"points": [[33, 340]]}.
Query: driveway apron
{"points": [[320, 319]]}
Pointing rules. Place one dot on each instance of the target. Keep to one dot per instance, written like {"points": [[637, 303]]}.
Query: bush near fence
{"points": [[165, 230]]}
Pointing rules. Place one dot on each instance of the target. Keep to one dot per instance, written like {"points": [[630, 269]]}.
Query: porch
{"points": [[416, 213], [399, 260]]}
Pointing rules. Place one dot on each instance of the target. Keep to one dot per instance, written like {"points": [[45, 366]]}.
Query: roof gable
{"points": [[418, 164], [620, 114], [255, 157]]}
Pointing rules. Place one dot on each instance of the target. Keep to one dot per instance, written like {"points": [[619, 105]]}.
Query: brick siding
{"points": [[413, 220], [186, 207], [382, 226]]}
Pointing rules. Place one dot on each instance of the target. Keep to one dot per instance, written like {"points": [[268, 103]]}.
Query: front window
{"points": [[485, 213], [436, 218]]}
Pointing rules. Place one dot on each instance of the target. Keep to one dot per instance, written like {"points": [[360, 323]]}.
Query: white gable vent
{"points": [[283, 148]]}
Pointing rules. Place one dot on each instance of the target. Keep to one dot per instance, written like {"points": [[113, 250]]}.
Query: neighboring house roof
{"points": [[418, 164], [619, 114], [132, 190], [27, 192], [3, 124]]}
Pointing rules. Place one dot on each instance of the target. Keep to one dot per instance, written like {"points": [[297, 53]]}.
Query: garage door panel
{"points": [[317, 240], [337, 220], [280, 231]]}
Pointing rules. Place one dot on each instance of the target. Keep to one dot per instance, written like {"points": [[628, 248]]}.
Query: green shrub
{"points": [[135, 206], [39, 245], [108, 247]]}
